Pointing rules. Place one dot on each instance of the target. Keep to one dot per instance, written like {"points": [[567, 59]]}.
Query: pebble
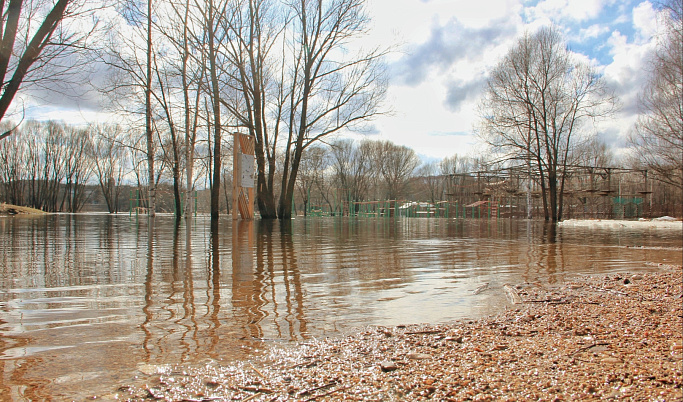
{"points": [[418, 356], [388, 366], [529, 353], [611, 360]]}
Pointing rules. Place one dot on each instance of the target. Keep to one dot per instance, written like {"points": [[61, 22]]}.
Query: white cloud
{"points": [[645, 21], [73, 116], [422, 123], [627, 74], [593, 31], [575, 10]]}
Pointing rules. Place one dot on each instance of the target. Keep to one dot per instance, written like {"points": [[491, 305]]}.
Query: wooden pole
{"points": [[236, 151]]}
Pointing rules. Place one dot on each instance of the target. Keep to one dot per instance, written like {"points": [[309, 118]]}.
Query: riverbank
{"points": [[607, 337], [8, 209]]}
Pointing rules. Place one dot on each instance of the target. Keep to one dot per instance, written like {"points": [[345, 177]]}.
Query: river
{"points": [[87, 301]]}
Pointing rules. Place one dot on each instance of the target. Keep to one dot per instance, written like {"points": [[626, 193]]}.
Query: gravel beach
{"points": [[618, 336]]}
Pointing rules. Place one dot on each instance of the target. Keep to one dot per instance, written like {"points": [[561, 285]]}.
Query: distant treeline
{"points": [[61, 168]]}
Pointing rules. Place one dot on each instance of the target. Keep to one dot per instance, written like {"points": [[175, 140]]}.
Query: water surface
{"points": [[86, 301]]}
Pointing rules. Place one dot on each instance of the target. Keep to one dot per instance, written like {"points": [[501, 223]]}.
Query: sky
{"points": [[447, 48], [444, 49]]}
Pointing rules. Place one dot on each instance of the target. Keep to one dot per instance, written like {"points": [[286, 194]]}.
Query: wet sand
{"points": [[618, 336]]}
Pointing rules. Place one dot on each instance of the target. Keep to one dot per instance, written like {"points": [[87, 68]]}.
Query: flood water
{"points": [[87, 300]]}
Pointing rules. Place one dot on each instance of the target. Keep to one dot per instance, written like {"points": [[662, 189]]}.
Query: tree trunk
{"points": [[148, 116], [189, 132], [552, 194], [176, 185], [529, 205], [216, 183]]}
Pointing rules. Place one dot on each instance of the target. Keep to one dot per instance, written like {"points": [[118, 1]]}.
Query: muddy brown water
{"points": [[87, 302]]}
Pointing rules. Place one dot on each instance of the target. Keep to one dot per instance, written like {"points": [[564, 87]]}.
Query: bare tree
{"points": [[255, 27], [657, 136], [593, 153], [190, 108], [33, 52], [291, 100], [536, 101], [129, 56], [149, 132], [212, 13], [327, 92], [13, 162], [352, 168], [397, 165], [431, 181], [312, 172], [78, 168], [110, 158]]}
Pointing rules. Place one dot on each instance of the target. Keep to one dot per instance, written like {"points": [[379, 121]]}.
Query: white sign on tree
{"points": [[247, 171]]}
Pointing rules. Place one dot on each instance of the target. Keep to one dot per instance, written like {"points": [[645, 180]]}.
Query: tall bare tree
{"points": [[213, 11], [149, 130], [130, 86], [327, 92], [535, 104], [190, 108], [255, 27], [657, 136]]}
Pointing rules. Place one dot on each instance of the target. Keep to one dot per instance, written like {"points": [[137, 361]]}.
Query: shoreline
{"points": [[608, 336], [9, 209], [656, 223]]}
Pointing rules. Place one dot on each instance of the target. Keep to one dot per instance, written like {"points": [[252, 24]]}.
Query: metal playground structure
{"points": [[511, 192]]}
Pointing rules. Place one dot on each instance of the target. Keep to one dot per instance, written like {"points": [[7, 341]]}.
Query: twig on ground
{"points": [[256, 370], [585, 348], [313, 398], [310, 390], [549, 301], [426, 332]]}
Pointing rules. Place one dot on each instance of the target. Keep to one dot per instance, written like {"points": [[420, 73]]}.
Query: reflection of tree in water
{"points": [[247, 281], [170, 327], [149, 291], [294, 295], [213, 288], [216, 311], [182, 289], [189, 311]]}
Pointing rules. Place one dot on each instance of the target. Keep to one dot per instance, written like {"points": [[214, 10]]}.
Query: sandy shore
{"points": [[607, 337], [658, 223]]}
